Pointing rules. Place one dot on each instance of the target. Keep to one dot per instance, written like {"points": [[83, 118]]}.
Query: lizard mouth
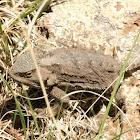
{"points": [[27, 78]]}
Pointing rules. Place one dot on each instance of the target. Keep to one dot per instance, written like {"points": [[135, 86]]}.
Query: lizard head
{"points": [[22, 69]]}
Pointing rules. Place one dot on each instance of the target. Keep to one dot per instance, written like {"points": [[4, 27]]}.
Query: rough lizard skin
{"points": [[78, 68]]}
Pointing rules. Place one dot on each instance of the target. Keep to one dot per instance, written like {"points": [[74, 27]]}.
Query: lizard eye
{"points": [[25, 75], [28, 75]]}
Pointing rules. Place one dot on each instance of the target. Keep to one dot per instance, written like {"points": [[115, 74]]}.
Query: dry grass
{"points": [[73, 122]]}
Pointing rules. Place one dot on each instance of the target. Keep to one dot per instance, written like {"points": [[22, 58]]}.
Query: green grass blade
{"points": [[14, 120], [27, 12], [18, 107], [1, 32], [6, 48], [116, 87], [17, 43], [25, 44], [30, 9], [122, 133], [46, 4], [33, 115]]}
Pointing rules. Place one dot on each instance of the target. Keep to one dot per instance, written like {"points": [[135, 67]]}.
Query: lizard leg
{"points": [[58, 93]]}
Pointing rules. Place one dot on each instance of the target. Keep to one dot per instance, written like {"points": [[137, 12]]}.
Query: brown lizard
{"points": [[78, 68]]}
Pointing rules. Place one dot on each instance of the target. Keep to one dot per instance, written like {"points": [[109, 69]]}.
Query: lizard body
{"points": [[78, 68]]}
